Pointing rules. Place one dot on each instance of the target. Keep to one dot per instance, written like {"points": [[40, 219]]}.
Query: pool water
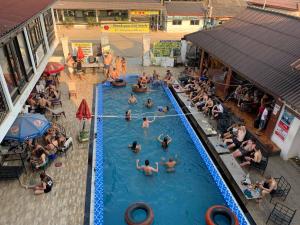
{"points": [[178, 198]]}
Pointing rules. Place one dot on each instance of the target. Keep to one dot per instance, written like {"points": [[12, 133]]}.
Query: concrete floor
{"points": [[65, 204]]}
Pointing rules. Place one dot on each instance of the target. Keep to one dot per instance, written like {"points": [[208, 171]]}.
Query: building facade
{"points": [[251, 47], [170, 16], [24, 53]]}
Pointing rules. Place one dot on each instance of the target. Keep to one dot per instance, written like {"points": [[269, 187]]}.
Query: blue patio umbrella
{"points": [[28, 126]]}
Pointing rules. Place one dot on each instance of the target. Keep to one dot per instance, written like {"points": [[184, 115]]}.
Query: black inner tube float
{"points": [[119, 83], [213, 211], [136, 206]]}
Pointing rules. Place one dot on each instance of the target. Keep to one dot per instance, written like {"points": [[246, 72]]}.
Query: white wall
{"points": [[15, 108], [185, 26], [290, 146]]}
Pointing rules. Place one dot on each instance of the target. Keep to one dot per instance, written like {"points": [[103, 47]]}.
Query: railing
{"points": [[3, 106]]}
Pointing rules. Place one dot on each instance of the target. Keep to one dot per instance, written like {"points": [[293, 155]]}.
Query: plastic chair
{"points": [[281, 215]]}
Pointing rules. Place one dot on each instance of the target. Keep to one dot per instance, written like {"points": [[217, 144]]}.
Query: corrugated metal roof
{"points": [[261, 46], [15, 12], [185, 8], [280, 4], [110, 4], [227, 8]]}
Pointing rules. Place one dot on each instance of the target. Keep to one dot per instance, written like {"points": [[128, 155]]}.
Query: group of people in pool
{"points": [[165, 140]]}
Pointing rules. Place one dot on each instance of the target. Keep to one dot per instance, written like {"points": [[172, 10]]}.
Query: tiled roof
{"points": [[261, 46], [185, 8], [227, 8], [291, 5], [109, 4], [15, 12]]}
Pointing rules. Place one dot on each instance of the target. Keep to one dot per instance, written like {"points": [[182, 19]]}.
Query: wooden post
{"points": [[227, 81], [273, 119], [201, 62]]}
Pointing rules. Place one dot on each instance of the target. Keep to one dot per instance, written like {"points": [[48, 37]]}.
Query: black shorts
{"points": [[47, 190], [236, 142]]}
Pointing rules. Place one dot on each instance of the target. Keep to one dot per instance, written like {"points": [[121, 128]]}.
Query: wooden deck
{"points": [[248, 119]]}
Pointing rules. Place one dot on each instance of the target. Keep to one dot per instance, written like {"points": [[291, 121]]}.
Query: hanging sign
{"points": [[142, 13], [125, 28], [87, 47], [284, 124]]}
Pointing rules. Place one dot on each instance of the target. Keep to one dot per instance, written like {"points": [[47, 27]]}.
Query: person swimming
{"points": [[165, 141], [149, 103], [135, 147], [170, 165], [146, 122], [132, 99], [163, 109], [128, 115], [147, 169]]}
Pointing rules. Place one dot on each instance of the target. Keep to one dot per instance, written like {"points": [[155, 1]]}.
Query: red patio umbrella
{"points": [[80, 54], [53, 68], [83, 112]]}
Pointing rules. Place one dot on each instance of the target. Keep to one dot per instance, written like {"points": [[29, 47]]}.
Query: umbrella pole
{"points": [[83, 127]]}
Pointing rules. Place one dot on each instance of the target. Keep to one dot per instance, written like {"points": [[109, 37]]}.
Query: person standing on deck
{"points": [[123, 67], [263, 120], [118, 65]]}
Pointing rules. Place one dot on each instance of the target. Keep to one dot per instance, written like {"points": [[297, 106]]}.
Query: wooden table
{"points": [[93, 66]]}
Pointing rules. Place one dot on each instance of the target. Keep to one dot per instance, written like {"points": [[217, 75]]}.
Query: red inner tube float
{"points": [[136, 206], [119, 83], [220, 210]]}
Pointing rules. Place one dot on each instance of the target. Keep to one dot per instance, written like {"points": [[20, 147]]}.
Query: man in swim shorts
{"points": [[170, 165], [146, 122], [147, 169]]}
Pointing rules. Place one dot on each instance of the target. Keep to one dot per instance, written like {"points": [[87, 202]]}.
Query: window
{"points": [[49, 25], [24, 55], [8, 74], [177, 22], [194, 22], [113, 15], [36, 39], [12, 72], [3, 105]]}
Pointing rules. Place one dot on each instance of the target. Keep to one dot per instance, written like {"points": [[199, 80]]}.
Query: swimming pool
{"points": [[176, 198]]}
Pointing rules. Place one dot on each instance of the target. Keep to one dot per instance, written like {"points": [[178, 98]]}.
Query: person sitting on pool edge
{"points": [[147, 169], [163, 109], [146, 122], [165, 141], [132, 99], [128, 115], [135, 147], [170, 165], [149, 103]]}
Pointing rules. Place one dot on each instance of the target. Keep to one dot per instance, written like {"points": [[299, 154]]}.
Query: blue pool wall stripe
{"points": [[228, 197], [99, 181]]}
